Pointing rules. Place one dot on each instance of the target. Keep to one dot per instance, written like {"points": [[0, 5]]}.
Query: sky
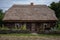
{"points": [[6, 4]]}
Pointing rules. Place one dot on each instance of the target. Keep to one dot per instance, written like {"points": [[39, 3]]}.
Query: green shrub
{"points": [[23, 27]]}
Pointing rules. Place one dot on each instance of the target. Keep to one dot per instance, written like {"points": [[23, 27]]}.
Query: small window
{"points": [[45, 25], [18, 25]]}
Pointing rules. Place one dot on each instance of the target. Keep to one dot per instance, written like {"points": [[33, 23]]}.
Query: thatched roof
{"points": [[29, 12]]}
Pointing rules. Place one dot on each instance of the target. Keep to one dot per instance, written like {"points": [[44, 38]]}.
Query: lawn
{"points": [[21, 34]]}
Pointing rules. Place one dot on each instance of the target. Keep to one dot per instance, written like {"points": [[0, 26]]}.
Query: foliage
{"points": [[7, 31], [56, 8], [1, 16], [23, 27]]}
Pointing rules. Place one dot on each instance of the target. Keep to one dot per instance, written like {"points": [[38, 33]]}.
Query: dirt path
{"points": [[28, 38]]}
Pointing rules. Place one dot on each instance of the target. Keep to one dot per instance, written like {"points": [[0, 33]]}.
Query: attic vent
{"points": [[31, 4]]}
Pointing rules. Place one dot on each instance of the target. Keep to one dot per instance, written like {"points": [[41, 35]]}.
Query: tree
{"points": [[1, 16], [56, 7]]}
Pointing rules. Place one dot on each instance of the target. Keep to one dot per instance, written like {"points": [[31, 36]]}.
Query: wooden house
{"points": [[36, 18]]}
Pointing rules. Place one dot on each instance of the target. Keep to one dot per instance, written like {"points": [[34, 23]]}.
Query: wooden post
{"points": [[40, 28], [15, 26]]}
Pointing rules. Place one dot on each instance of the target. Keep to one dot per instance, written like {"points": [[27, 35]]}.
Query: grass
{"points": [[21, 34]]}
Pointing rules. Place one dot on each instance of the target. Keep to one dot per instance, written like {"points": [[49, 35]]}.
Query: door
{"points": [[28, 26]]}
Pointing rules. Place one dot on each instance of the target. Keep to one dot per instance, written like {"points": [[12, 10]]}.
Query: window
{"points": [[18, 25], [46, 26]]}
